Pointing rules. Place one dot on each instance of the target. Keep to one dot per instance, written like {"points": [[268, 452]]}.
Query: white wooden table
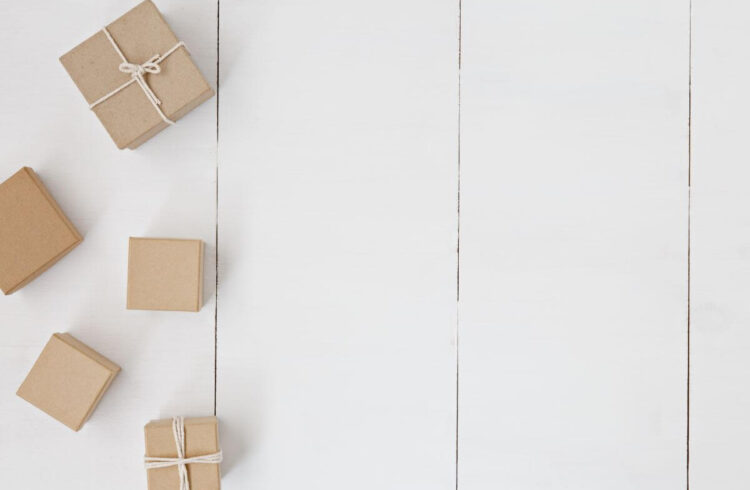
{"points": [[462, 244]]}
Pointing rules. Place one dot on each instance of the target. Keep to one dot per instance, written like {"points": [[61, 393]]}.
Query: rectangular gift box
{"points": [[141, 36], [34, 232], [68, 380], [165, 274], [201, 438]]}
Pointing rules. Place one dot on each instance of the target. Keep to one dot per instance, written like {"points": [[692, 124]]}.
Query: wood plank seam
{"points": [[690, 172], [458, 234], [216, 232]]}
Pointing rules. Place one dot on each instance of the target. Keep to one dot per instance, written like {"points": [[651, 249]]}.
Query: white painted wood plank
{"points": [[337, 241], [165, 188], [573, 245], [720, 258]]}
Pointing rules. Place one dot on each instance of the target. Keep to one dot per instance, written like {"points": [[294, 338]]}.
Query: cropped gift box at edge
{"points": [[138, 78]]}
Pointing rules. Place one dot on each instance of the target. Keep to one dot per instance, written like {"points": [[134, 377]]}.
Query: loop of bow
{"points": [[135, 69], [136, 75], [178, 430]]}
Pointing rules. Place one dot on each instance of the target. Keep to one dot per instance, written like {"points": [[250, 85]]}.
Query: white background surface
{"points": [[460, 245]]}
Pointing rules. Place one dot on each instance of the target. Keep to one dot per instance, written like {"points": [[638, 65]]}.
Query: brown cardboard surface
{"points": [[201, 438], [68, 380], [34, 232], [128, 116], [177, 115], [165, 274]]}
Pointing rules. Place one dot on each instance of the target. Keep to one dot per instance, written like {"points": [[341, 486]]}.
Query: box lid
{"points": [[67, 381], [140, 34], [201, 438], [34, 232]]}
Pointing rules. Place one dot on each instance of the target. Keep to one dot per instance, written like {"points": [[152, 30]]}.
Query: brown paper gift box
{"points": [[129, 116], [34, 232], [68, 380], [201, 438], [165, 274]]}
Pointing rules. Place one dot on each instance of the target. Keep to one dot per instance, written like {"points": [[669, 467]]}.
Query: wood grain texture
{"points": [[165, 188], [720, 262], [337, 274], [573, 301]]}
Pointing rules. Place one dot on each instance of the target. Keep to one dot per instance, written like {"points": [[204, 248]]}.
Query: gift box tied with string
{"points": [[137, 76], [183, 454]]}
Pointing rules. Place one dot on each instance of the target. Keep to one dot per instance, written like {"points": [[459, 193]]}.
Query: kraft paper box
{"points": [[165, 274], [68, 380], [201, 439], [34, 232], [142, 37]]}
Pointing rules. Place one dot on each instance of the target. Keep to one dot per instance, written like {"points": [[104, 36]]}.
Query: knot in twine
{"points": [[135, 69], [178, 430], [136, 75]]}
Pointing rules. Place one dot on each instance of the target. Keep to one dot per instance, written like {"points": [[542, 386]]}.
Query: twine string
{"points": [[178, 431], [137, 72]]}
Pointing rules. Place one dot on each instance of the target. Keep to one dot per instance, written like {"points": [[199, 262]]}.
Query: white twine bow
{"points": [[136, 75], [178, 430]]}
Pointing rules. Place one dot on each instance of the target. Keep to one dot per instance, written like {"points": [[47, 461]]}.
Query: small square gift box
{"points": [[68, 380], [34, 232], [183, 453], [165, 274], [136, 76]]}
